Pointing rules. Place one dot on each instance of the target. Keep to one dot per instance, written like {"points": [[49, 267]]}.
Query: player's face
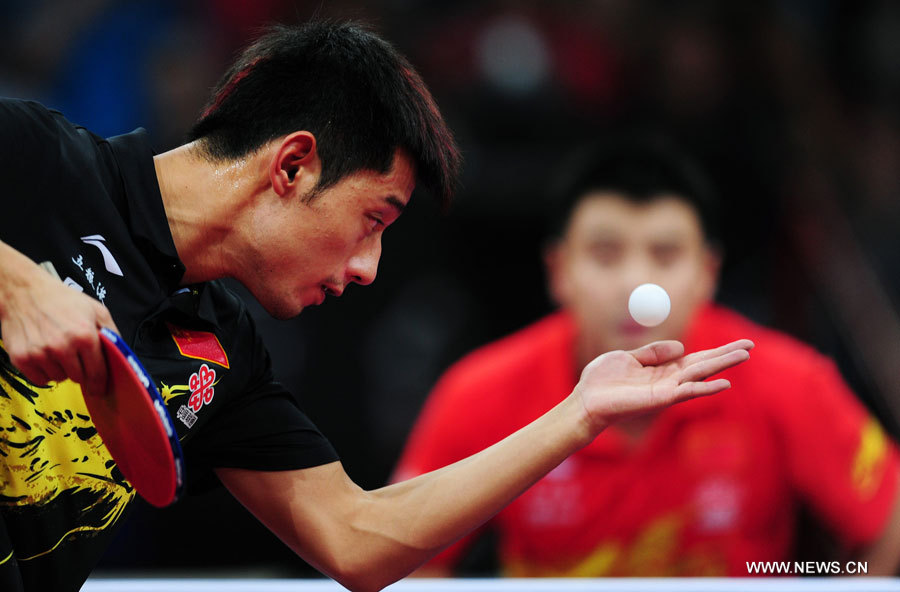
{"points": [[318, 247], [610, 247]]}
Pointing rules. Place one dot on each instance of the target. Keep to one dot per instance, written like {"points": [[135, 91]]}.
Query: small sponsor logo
{"points": [[186, 416]]}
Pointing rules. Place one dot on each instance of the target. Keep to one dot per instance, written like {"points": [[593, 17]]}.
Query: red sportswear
{"points": [[714, 483]]}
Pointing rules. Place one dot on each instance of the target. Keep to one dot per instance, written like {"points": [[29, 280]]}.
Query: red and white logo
{"points": [[202, 390]]}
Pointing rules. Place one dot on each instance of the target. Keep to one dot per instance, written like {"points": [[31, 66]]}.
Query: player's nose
{"points": [[363, 266], [636, 272]]}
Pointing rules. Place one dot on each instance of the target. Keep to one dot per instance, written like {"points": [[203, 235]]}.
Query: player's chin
{"points": [[284, 313], [631, 336], [283, 308]]}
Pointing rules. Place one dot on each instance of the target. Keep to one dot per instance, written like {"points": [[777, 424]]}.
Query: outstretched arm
{"points": [[367, 540], [49, 330]]}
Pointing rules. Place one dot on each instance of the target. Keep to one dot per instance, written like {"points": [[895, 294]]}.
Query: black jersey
{"points": [[90, 208]]}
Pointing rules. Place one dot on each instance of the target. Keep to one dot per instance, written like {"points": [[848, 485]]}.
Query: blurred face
{"points": [[307, 249], [610, 247]]}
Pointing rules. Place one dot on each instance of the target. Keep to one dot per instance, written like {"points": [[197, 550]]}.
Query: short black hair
{"points": [[357, 94], [639, 168]]}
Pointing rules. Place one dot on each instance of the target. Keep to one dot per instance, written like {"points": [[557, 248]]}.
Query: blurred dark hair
{"points": [[639, 168], [360, 98]]}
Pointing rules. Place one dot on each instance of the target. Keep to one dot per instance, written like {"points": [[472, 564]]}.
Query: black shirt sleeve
{"points": [[262, 428], [29, 152], [268, 434]]}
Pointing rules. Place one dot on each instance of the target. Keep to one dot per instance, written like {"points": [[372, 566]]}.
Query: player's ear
{"points": [[554, 266], [711, 266], [295, 165]]}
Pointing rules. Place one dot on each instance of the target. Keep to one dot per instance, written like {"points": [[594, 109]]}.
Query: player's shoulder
{"points": [[13, 109], [41, 137], [32, 121], [517, 356], [30, 131]]}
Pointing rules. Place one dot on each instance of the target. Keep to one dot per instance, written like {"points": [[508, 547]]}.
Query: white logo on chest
{"points": [[97, 240]]}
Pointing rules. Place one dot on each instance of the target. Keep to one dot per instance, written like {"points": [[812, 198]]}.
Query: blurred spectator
{"points": [[86, 59], [699, 489]]}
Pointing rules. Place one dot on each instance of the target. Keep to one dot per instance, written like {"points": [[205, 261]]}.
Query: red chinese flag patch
{"points": [[200, 345]]}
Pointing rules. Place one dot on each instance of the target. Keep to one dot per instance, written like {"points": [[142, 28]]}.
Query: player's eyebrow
{"points": [[605, 233], [395, 203], [676, 236]]}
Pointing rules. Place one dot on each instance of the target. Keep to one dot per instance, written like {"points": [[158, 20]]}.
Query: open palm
{"points": [[620, 384]]}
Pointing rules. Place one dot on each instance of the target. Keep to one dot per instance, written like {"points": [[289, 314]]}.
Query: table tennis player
{"points": [[309, 148], [697, 489]]}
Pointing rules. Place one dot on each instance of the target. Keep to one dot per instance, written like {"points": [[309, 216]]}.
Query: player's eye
{"points": [[374, 223], [606, 253], [665, 255]]}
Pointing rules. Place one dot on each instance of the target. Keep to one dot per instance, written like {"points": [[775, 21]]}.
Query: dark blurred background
{"points": [[792, 105]]}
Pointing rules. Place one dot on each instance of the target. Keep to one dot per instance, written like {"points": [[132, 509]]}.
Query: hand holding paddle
{"points": [[48, 329], [51, 334]]}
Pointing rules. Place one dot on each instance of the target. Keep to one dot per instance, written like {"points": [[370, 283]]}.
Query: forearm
{"points": [[369, 539], [366, 540], [412, 521]]}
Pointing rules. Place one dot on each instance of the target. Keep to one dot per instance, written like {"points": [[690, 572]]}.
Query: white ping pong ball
{"points": [[649, 305]]}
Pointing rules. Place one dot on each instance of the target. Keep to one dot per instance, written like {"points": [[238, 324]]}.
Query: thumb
{"points": [[103, 318], [658, 352]]}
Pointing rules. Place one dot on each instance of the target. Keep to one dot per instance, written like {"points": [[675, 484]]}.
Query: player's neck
{"points": [[202, 200]]}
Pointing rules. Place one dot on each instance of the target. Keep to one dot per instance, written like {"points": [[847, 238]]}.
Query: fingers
{"points": [[32, 371], [69, 362], [740, 344], [690, 390], [66, 348], [54, 370], [94, 363], [51, 363], [92, 355], [104, 319], [658, 352], [705, 368]]}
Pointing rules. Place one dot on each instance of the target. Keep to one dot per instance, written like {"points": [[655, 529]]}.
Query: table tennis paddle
{"points": [[133, 423]]}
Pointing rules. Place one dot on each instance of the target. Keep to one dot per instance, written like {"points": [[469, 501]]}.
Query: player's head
{"points": [[346, 128], [359, 98], [629, 212]]}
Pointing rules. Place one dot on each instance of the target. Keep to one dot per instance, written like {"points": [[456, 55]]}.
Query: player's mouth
{"points": [[329, 290]]}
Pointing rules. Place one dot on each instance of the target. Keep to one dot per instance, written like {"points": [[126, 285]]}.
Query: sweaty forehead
{"points": [[392, 188], [604, 214], [397, 184]]}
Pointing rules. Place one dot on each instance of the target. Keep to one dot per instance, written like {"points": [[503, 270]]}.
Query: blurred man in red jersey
{"points": [[696, 489]]}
